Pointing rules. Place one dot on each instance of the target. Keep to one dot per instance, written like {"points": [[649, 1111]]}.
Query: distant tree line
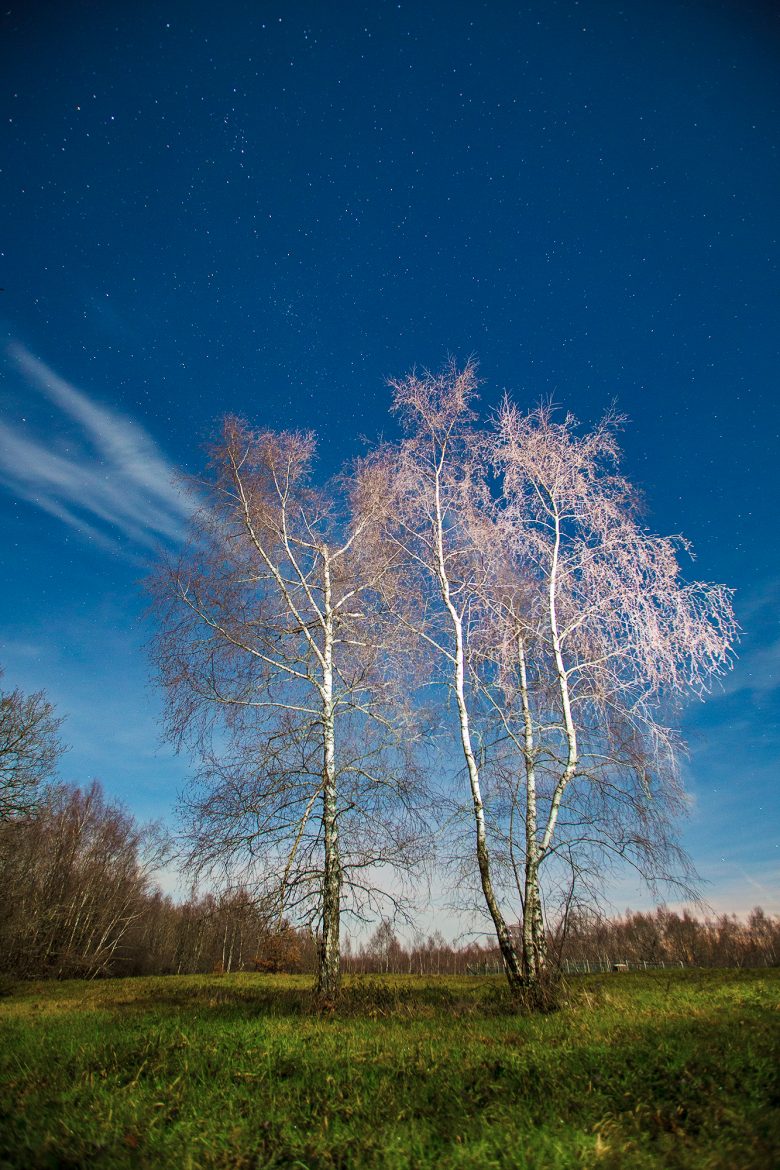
{"points": [[655, 938], [670, 936], [78, 898]]}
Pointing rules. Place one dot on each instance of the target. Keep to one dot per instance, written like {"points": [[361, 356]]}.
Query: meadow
{"points": [[639, 1070]]}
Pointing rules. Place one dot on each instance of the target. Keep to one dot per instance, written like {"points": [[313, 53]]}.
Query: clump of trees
{"points": [[30, 748], [213, 934], [78, 898], [74, 877], [482, 588]]}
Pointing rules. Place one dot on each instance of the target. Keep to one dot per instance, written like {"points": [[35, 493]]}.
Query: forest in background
{"points": [[78, 898]]}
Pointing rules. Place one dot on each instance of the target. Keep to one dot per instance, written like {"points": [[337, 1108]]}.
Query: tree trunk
{"points": [[534, 941], [329, 965], [509, 955], [534, 949]]}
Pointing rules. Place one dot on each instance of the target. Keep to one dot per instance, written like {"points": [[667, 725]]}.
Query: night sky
{"points": [[269, 209]]}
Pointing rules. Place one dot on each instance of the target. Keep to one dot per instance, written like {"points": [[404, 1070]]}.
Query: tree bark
{"points": [[534, 940], [534, 943], [329, 967], [509, 955]]}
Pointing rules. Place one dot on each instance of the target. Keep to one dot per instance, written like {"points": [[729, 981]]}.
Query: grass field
{"points": [[648, 1070]]}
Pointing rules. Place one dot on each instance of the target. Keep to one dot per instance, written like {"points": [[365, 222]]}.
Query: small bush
{"points": [[546, 994]]}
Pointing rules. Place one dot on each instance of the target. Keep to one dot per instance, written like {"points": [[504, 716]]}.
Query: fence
{"points": [[596, 966], [584, 966]]}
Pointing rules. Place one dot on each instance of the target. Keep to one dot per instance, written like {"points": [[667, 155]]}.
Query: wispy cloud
{"points": [[112, 480], [758, 672]]}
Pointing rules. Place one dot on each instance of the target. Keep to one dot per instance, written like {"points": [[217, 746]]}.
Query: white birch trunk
{"points": [[506, 946], [534, 948], [329, 973], [570, 730]]}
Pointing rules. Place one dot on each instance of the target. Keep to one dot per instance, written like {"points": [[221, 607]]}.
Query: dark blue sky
{"points": [[270, 208]]}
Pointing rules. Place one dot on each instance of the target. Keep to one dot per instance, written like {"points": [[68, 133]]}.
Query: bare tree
{"points": [[29, 749], [74, 877], [561, 629], [279, 675], [598, 635], [436, 504]]}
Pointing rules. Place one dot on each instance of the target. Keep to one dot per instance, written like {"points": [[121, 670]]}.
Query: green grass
{"points": [[653, 1070]]}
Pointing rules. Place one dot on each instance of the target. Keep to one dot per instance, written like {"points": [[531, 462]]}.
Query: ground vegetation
{"points": [[651, 1071]]}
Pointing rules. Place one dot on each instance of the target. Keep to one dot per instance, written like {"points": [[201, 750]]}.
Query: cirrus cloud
{"points": [[111, 480]]}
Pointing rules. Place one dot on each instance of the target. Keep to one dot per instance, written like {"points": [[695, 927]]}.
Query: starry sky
{"points": [[270, 208]]}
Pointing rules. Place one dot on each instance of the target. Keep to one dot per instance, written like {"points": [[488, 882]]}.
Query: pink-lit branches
{"points": [[563, 631], [595, 637], [434, 522]]}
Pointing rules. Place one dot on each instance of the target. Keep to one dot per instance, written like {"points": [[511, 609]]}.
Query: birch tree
{"points": [[437, 507], [279, 676], [598, 639]]}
